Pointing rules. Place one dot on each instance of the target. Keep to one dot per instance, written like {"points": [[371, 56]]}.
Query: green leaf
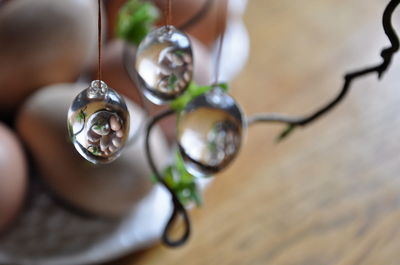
{"points": [[94, 150], [192, 92], [197, 198], [172, 81], [180, 166], [135, 20], [290, 128], [81, 116], [169, 177], [153, 178], [224, 87], [98, 126], [182, 182]]}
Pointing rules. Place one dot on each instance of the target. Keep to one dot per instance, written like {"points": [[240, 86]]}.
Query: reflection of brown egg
{"points": [[205, 30], [115, 75], [108, 190], [13, 176], [43, 42]]}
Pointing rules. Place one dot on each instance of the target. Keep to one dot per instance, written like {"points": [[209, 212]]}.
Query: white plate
{"points": [[48, 234]]}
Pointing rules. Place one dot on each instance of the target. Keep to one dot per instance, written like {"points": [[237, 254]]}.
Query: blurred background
{"points": [[328, 194]]}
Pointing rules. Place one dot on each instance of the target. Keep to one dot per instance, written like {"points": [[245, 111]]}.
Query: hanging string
{"points": [[218, 58], [218, 28], [99, 41], [168, 13]]}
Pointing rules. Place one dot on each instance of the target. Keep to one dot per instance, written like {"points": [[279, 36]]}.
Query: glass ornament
{"points": [[209, 133], [98, 123], [164, 63]]}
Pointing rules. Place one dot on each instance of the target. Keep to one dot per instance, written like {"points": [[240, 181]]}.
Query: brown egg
{"points": [[13, 176], [43, 42], [205, 30], [115, 75], [106, 190]]}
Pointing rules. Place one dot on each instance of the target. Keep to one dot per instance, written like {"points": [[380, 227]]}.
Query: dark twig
{"points": [[386, 54], [179, 209], [292, 122]]}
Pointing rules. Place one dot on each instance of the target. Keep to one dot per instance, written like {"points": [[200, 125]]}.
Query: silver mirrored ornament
{"points": [[98, 123], [209, 133], [164, 63]]}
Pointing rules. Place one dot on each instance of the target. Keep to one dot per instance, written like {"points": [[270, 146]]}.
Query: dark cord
{"points": [[386, 54], [133, 76], [179, 209]]}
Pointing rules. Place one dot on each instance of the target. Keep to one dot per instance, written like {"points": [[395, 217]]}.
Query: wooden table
{"points": [[330, 193]]}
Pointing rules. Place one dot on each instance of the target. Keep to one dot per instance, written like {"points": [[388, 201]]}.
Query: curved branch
{"points": [[386, 54], [179, 209]]}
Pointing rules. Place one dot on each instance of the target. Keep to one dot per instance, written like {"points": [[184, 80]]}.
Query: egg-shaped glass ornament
{"points": [[164, 63], [98, 123], [209, 133]]}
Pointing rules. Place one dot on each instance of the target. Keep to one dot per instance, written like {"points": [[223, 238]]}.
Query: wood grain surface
{"points": [[330, 193]]}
